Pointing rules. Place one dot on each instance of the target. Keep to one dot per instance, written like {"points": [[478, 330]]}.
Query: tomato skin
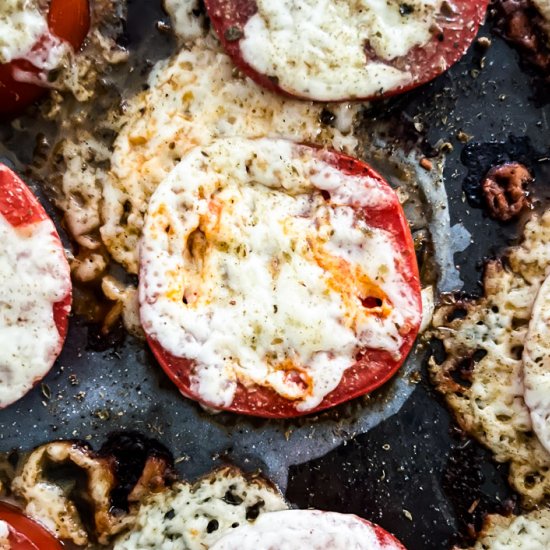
{"points": [[68, 20], [384, 537], [373, 367], [25, 534], [426, 62], [20, 207]]}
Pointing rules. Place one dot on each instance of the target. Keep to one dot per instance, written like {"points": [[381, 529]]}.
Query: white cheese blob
{"points": [[34, 275], [250, 272], [21, 25], [316, 48], [300, 529], [536, 365]]}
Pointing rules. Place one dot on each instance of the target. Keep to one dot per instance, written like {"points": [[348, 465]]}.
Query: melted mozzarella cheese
{"points": [[247, 270], [299, 529], [21, 25], [536, 365], [193, 98], [317, 48], [34, 275]]}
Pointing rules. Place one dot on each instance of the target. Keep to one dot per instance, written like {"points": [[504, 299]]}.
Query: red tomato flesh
{"points": [[372, 368], [68, 20], [26, 534], [20, 207], [457, 31]]}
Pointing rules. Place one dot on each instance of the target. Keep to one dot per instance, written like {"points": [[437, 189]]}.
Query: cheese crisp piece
{"points": [[193, 98], [536, 365], [526, 532], [251, 272], [482, 376], [316, 48], [300, 529], [195, 516]]}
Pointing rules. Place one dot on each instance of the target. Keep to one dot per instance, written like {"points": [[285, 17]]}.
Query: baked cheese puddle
{"points": [[250, 272], [536, 365]]}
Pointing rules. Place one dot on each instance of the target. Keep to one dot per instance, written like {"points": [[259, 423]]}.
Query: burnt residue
{"points": [[480, 158], [130, 452], [521, 24], [388, 121], [473, 488], [100, 340], [506, 190]]}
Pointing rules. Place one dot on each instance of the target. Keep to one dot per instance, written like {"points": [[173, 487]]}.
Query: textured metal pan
{"points": [[397, 465]]}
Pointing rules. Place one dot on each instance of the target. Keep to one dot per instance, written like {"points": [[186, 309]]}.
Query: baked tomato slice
{"points": [[36, 289], [345, 50], [24, 533], [277, 279], [69, 21], [312, 529]]}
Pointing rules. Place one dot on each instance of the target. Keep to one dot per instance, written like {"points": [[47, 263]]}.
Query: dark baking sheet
{"points": [[404, 468]]}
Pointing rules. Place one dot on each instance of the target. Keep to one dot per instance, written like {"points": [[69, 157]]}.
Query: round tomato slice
{"points": [[24, 533], [313, 529], [349, 51], [22, 211], [179, 287], [68, 20]]}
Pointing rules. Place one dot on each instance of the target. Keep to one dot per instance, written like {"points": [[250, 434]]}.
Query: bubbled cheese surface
{"points": [[491, 332], [193, 517], [316, 48], [34, 275], [525, 532], [250, 272]]}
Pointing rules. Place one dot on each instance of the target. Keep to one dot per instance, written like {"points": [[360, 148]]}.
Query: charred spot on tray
{"points": [[100, 341], [467, 475], [130, 452], [479, 158]]}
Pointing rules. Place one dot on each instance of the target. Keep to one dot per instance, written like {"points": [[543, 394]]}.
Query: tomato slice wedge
{"points": [[278, 61], [68, 20], [372, 367], [313, 529], [24, 533], [21, 208]]}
